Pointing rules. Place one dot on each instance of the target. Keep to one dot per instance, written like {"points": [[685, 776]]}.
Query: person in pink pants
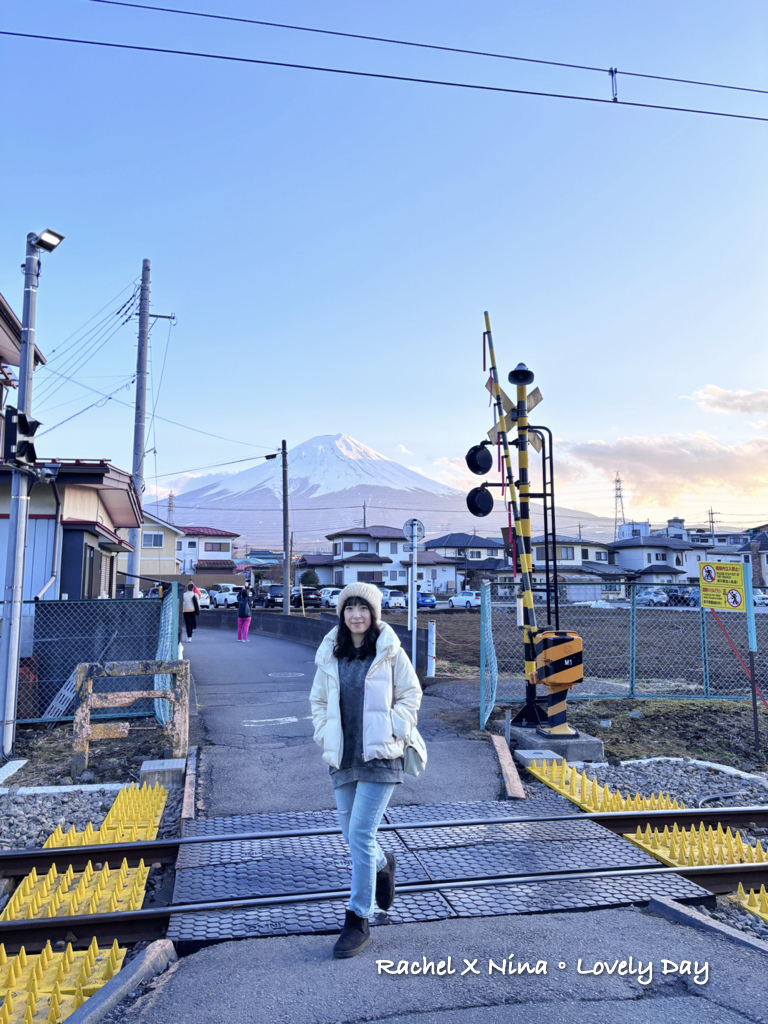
{"points": [[243, 616]]}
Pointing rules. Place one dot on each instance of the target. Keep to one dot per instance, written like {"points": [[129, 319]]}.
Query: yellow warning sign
{"points": [[722, 586]]}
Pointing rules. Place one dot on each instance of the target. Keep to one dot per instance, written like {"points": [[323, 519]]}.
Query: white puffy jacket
{"points": [[390, 703]]}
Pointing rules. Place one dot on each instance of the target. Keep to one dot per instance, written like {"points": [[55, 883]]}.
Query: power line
{"points": [[379, 75], [424, 46], [93, 405], [213, 465], [175, 423]]}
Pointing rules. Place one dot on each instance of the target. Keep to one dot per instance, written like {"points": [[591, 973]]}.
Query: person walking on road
{"points": [[190, 607], [365, 699], [244, 605]]}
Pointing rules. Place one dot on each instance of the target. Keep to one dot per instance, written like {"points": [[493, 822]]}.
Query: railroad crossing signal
{"points": [[18, 443]]}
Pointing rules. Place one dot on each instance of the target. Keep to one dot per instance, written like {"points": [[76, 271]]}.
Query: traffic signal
{"points": [[18, 438], [479, 461]]}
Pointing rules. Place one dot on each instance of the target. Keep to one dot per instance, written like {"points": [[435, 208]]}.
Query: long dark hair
{"points": [[344, 647]]}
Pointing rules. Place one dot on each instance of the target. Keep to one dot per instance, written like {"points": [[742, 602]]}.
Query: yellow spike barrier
{"points": [[590, 795]]}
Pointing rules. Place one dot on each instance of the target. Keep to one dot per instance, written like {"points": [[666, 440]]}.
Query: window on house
{"points": [[475, 554], [566, 554], [355, 545], [541, 554], [584, 553], [401, 573], [369, 577], [419, 575], [661, 556], [678, 560], [648, 557], [151, 540], [698, 558], [393, 574], [611, 587], [191, 543], [393, 548], [337, 548], [746, 558], [601, 556], [178, 545], [338, 578], [214, 545]]}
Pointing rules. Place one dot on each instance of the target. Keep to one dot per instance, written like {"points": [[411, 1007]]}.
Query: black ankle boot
{"points": [[385, 883], [355, 936]]}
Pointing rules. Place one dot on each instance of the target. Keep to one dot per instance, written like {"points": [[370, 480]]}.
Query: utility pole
{"points": [[712, 522], [364, 522], [134, 535], [20, 487], [286, 538]]}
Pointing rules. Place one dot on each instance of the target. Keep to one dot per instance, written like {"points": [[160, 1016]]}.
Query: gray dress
{"points": [[352, 673]]}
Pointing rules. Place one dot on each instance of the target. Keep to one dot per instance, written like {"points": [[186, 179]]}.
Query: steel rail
{"points": [[150, 923], [165, 851]]}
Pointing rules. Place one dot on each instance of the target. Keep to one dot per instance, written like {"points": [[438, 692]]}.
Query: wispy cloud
{"points": [[714, 399], [404, 450], [417, 469], [659, 470]]}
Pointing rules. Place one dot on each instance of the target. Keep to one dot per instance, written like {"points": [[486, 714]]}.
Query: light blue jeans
{"points": [[361, 806]]}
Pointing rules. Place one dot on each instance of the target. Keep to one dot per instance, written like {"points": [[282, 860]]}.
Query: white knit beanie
{"points": [[368, 593]]}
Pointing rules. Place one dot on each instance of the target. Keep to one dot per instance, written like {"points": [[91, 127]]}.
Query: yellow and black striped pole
{"points": [[556, 724], [531, 714]]}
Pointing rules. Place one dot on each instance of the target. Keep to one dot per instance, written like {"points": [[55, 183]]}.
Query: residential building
{"points": [[472, 553], [204, 549], [656, 559], [580, 561], [158, 553], [377, 554], [72, 535]]}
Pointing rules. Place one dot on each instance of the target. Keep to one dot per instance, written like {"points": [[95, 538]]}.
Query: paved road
{"points": [[258, 754], [254, 760]]}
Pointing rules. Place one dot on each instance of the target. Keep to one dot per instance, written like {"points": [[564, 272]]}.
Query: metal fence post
{"points": [[632, 637], [704, 651], [174, 621], [484, 611]]}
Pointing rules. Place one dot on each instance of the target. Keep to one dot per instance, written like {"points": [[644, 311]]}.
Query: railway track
{"points": [[152, 922]]}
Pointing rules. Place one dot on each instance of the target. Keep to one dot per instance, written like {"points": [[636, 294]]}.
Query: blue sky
{"points": [[329, 244]]}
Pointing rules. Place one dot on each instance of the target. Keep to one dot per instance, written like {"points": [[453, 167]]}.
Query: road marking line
{"points": [[256, 722]]}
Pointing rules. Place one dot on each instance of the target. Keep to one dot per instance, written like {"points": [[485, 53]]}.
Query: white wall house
{"points": [[658, 559], [376, 554], [205, 549], [580, 561]]}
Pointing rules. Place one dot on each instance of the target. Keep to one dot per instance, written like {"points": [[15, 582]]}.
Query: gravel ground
{"points": [[689, 783]]}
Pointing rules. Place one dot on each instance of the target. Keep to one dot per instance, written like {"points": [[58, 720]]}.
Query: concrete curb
{"points": [[665, 907], [96, 787], [512, 783], [190, 785], [147, 965]]}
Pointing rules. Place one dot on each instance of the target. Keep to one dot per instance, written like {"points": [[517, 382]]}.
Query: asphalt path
{"points": [[257, 754]]}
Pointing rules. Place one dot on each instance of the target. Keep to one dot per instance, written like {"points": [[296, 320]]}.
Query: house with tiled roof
{"points": [[205, 549], [657, 559], [377, 554]]}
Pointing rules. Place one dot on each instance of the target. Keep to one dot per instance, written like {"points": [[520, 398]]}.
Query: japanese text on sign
{"points": [[722, 586]]}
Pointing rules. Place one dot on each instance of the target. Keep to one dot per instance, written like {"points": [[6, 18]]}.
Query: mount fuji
{"points": [[334, 482]]}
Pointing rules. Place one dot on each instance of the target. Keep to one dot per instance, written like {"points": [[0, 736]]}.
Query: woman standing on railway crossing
{"points": [[365, 699]]}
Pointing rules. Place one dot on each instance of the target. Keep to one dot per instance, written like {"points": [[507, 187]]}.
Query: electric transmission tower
{"points": [[618, 506], [171, 508]]}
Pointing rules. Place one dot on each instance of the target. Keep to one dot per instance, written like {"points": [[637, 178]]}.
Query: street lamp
{"points": [[20, 487]]}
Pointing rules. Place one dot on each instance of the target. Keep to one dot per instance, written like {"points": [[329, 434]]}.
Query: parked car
{"points": [[694, 597], [393, 599], [226, 595], [651, 597], [423, 599], [465, 599], [154, 592], [274, 596], [311, 596], [677, 595], [204, 599], [760, 599], [329, 597]]}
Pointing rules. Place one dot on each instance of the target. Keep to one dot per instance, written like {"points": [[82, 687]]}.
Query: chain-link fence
{"points": [[640, 640], [56, 636]]}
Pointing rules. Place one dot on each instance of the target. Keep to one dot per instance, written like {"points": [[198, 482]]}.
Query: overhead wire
{"points": [[94, 405], [384, 77], [423, 46]]}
